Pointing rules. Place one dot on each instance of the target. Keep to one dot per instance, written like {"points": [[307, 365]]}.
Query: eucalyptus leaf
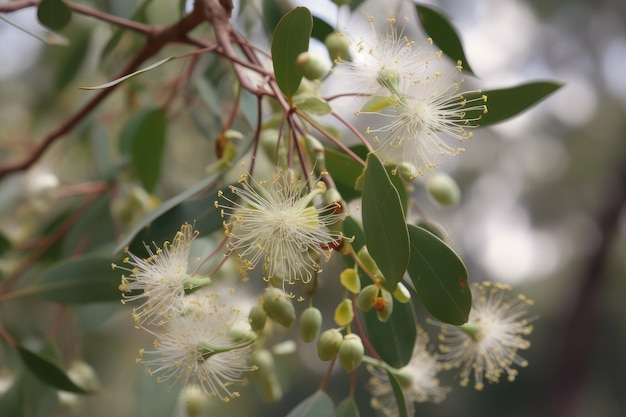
{"points": [[506, 103], [321, 29], [386, 234], [439, 277], [344, 170], [290, 39], [443, 34], [133, 74], [397, 392], [47, 371], [317, 405], [85, 280], [147, 147], [313, 105], [347, 408]]}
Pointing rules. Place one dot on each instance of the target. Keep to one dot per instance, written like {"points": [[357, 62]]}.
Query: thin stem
{"points": [[331, 365], [353, 130]]}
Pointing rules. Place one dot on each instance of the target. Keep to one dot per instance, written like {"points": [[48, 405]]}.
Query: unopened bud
{"points": [[195, 400], [444, 190], [407, 171], [384, 306], [310, 324], [257, 318], [328, 344], [404, 377], [367, 296], [402, 293], [312, 67], [344, 313], [265, 374], [351, 352], [338, 46], [279, 306], [350, 280]]}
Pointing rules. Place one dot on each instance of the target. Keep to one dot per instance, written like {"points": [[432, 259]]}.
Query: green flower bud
{"points": [[401, 293], [195, 400], [350, 280], [271, 391], [279, 306], [257, 318], [367, 296], [310, 323], [328, 344], [265, 374], [404, 377], [369, 262], [406, 171], [311, 66], [351, 352], [338, 46], [443, 189], [384, 306], [83, 375], [344, 313]]}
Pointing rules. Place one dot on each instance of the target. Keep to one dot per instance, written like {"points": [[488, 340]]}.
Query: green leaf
{"points": [[397, 392], [443, 34], [506, 103], [54, 14], [85, 280], [272, 12], [439, 277], [94, 229], [70, 59], [321, 29], [344, 170], [17, 401], [394, 339], [48, 372], [129, 131], [5, 244], [147, 147], [317, 405], [290, 38], [378, 103], [347, 408], [132, 74], [313, 105], [386, 234]]}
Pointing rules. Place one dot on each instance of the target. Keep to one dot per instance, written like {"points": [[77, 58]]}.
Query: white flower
{"points": [[487, 344], [417, 379], [200, 347], [422, 113], [278, 223], [384, 60], [160, 279]]}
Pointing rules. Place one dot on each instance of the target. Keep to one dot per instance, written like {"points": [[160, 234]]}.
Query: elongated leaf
{"points": [[397, 392], [317, 405], [49, 38], [443, 34], [313, 105], [85, 280], [506, 103], [291, 37], [48, 372], [344, 171], [147, 147], [18, 401], [394, 339], [439, 277], [5, 244], [347, 408], [321, 29], [386, 234], [54, 14], [133, 74]]}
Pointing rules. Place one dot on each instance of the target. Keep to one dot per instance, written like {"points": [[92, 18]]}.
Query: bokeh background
{"points": [[542, 208]]}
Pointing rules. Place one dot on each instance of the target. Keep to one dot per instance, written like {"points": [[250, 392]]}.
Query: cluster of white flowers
{"points": [[415, 109], [486, 346], [202, 338]]}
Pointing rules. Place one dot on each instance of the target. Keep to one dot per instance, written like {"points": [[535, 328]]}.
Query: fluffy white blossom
{"points": [[418, 380], [159, 280], [487, 345], [278, 222], [207, 345]]}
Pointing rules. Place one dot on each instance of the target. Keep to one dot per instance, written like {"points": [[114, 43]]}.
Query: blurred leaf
{"points": [[129, 131], [347, 408], [443, 34], [120, 8], [290, 38], [27, 397], [317, 405], [385, 229], [439, 277], [132, 74], [147, 147], [313, 105], [344, 170], [394, 339], [92, 230], [49, 38], [508, 102], [355, 3], [76, 281], [54, 14], [5, 244], [273, 10], [321, 29], [166, 220], [48, 372], [70, 59], [399, 395], [156, 399]]}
